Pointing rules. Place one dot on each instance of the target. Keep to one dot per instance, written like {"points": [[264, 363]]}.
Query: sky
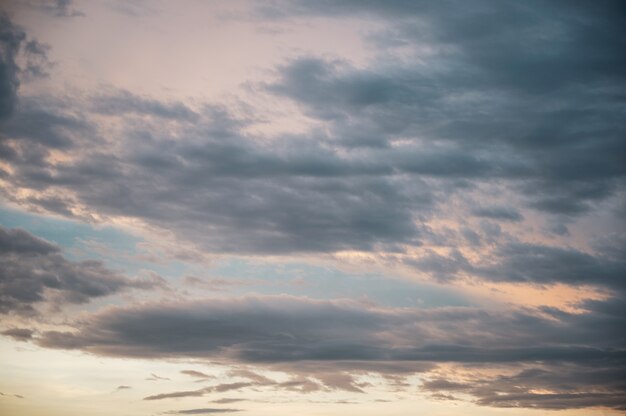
{"points": [[282, 207]]}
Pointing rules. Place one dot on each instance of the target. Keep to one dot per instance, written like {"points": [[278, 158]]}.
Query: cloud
{"points": [[178, 394], [299, 197], [472, 90], [154, 377], [18, 241], [498, 213], [419, 107], [279, 329], [56, 8], [123, 102], [542, 264], [561, 386], [227, 400], [196, 374], [11, 39], [34, 271], [517, 262], [517, 107], [19, 334], [219, 388], [399, 139], [322, 344], [203, 411], [20, 59]]}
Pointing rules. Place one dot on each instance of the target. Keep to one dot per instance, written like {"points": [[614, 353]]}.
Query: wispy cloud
{"points": [[202, 411]]}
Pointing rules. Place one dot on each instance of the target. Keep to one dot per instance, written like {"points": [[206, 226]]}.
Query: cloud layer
{"points": [[547, 347], [473, 145]]}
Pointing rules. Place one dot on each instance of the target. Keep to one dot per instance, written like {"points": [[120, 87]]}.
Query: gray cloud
{"points": [[18, 241], [475, 91], [297, 198], [178, 394], [34, 271], [498, 213], [123, 102], [399, 138], [197, 374], [284, 329], [56, 8], [322, 343], [13, 46], [227, 400], [570, 387], [564, 173], [11, 39], [19, 334], [542, 264], [203, 411], [526, 96], [529, 263], [154, 377]]}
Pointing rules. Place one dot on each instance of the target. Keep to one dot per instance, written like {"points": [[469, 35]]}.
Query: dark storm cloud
{"points": [[34, 271]]}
